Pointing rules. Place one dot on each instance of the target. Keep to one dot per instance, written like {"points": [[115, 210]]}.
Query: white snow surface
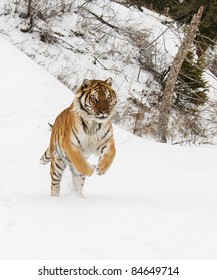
{"points": [[157, 201]]}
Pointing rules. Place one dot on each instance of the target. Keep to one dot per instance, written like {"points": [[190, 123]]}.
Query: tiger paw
{"points": [[55, 193], [99, 171]]}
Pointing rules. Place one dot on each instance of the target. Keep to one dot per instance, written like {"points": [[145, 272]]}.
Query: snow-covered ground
{"points": [[156, 202]]}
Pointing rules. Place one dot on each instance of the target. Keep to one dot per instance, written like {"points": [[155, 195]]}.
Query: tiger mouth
{"points": [[102, 118]]}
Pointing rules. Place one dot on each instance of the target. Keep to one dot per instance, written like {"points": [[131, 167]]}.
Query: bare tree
{"points": [[166, 104]]}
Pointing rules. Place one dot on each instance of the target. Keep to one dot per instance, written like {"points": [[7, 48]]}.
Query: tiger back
{"points": [[83, 129]]}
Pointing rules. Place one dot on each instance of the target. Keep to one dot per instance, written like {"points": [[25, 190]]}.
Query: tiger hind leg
{"points": [[78, 181], [56, 171]]}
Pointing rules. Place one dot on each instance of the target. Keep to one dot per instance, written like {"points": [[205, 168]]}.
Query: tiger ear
{"points": [[109, 81], [86, 83]]}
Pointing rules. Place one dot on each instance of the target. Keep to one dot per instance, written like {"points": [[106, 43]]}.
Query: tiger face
{"points": [[97, 99]]}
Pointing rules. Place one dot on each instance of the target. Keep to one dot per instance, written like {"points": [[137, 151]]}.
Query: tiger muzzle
{"points": [[102, 115]]}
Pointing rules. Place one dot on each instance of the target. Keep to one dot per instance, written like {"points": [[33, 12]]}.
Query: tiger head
{"points": [[97, 99]]}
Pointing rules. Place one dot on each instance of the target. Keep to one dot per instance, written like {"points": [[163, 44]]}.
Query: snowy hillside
{"points": [[156, 202], [98, 39]]}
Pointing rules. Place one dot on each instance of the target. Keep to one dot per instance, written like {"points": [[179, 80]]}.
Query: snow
{"points": [[157, 201], [83, 47], [114, 52]]}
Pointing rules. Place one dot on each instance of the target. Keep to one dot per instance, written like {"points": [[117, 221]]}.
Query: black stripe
{"points": [[102, 145], [99, 127], [58, 166], [113, 93], [76, 137], [106, 133], [85, 127], [47, 158], [83, 108], [102, 149], [83, 92], [85, 100], [55, 184], [55, 180], [69, 161], [57, 174], [52, 167]]}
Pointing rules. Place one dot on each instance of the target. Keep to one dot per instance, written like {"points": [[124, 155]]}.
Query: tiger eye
{"points": [[108, 98], [93, 98]]}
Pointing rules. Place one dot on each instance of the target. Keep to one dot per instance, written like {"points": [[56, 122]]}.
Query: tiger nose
{"points": [[103, 108], [103, 112]]}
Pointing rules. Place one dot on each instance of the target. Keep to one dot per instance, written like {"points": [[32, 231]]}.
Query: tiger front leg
{"points": [[106, 158], [78, 160], [78, 181]]}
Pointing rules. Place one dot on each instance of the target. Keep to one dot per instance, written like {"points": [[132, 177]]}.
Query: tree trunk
{"points": [[173, 74]]}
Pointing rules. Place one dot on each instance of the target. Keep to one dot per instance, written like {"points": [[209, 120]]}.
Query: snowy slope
{"points": [[83, 47], [156, 202]]}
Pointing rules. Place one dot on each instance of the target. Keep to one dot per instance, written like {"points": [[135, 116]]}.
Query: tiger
{"points": [[82, 129]]}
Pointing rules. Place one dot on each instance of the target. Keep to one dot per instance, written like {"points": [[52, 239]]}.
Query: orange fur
{"points": [[83, 128]]}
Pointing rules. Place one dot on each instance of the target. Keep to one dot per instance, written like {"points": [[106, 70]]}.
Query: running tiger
{"points": [[83, 129]]}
